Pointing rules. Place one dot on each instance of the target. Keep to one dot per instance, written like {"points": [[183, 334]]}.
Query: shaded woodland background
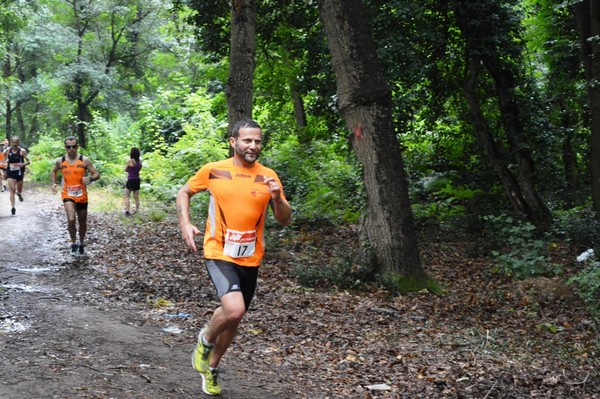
{"points": [[493, 107]]}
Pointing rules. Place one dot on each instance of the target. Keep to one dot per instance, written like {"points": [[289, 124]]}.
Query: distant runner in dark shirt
{"points": [[16, 160]]}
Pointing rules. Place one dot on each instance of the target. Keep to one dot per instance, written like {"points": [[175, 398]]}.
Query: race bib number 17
{"points": [[75, 191], [240, 244]]}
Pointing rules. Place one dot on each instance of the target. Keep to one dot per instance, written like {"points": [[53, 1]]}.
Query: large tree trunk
{"points": [[388, 235], [242, 59], [587, 13]]}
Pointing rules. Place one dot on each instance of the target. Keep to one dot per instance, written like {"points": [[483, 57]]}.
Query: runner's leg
{"points": [[12, 186], [136, 197], [224, 324], [127, 203], [82, 218], [71, 220]]}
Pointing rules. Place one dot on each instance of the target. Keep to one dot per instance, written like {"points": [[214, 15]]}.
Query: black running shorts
{"points": [[228, 277]]}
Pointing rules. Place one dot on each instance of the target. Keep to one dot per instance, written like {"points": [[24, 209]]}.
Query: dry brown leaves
{"points": [[487, 338]]}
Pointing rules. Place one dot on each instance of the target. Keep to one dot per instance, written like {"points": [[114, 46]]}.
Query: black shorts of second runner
{"points": [[15, 174], [133, 184], [228, 277], [79, 206]]}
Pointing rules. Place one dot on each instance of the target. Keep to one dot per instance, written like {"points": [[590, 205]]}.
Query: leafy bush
{"points": [[321, 179], [522, 254], [169, 167], [438, 198], [42, 155], [587, 286], [581, 228]]}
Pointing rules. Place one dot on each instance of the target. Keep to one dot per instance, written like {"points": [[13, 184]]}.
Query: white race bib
{"points": [[239, 244], [75, 191]]}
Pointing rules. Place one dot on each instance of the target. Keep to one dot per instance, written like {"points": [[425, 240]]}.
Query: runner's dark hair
{"points": [[243, 124], [71, 138]]}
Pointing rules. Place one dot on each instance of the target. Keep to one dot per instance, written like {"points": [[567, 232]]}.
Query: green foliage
{"points": [[43, 155], [398, 284], [166, 96], [522, 254], [169, 167], [587, 286], [108, 148], [438, 198], [321, 179], [103, 199], [580, 228], [157, 215]]}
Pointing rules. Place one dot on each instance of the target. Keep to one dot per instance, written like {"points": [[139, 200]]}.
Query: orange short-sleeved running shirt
{"points": [[238, 205], [2, 160], [72, 181]]}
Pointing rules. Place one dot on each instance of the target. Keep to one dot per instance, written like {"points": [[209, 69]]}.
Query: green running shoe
{"points": [[201, 354], [210, 385]]}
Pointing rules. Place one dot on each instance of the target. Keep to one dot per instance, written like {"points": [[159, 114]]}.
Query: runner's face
{"points": [[15, 143], [71, 147], [247, 145]]}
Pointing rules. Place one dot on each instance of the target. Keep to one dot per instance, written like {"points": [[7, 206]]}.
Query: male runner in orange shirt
{"points": [[74, 169], [241, 190]]}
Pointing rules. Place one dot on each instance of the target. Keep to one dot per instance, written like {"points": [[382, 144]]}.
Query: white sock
{"points": [[204, 342]]}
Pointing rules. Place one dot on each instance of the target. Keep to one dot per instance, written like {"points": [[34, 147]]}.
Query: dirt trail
{"points": [[59, 338]]}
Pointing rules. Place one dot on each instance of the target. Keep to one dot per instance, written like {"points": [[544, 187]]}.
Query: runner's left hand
{"points": [[274, 187]]}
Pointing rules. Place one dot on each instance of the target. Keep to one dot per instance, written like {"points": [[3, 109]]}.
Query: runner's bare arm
{"points": [[188, 230], [281, 208], [95, 175], [282, 211], [25, 157], [53, 175]]}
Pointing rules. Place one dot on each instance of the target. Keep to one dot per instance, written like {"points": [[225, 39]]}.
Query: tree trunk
{"points": [[34, 125], [304, 136], [241, 61], [569, 156], [8, 119], [299, 111], [482, 50], [388, 237], [84, 117], [21, 122], [6, 73], [493, 151], [537, 211], [587, 13]]}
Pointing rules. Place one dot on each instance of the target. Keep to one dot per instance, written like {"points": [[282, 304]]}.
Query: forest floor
{"points": [[122, 323]]}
